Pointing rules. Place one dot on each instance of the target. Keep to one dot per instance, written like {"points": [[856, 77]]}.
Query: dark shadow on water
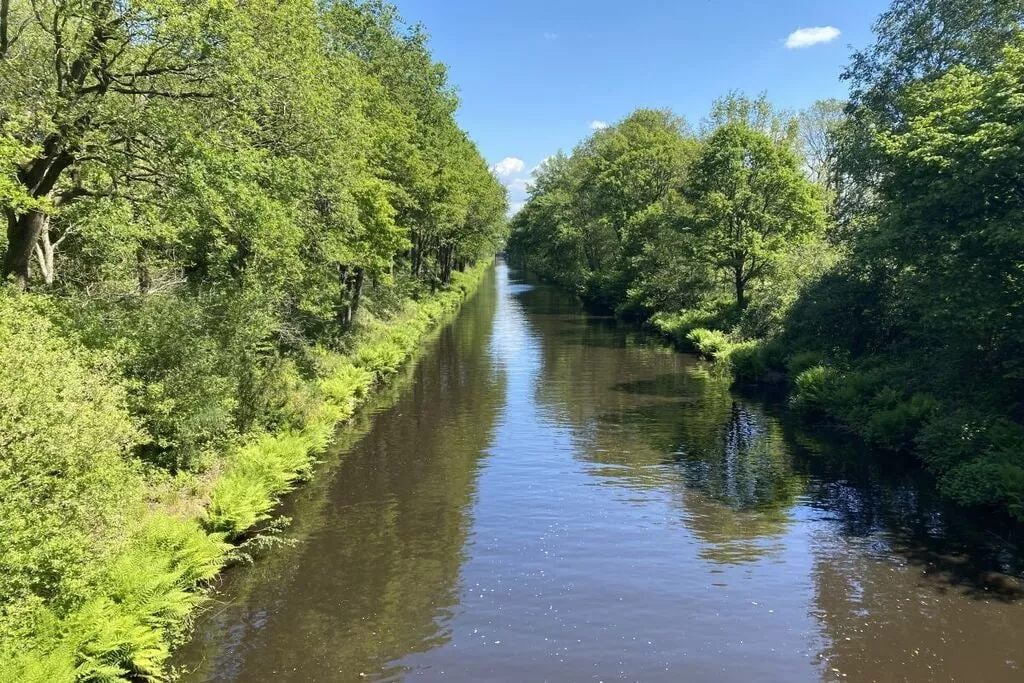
{"points": [[666, 386], [746, 452], [978, 553]]}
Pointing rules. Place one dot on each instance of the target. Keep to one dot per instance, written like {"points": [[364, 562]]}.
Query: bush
{"points": [[183, 368], [804, 360], [66, 486], [256, 476], [895, 420], [814, 389], [709, 344], [678, 326], [979, 460], [747, 361], [138, 608], [87, 591]]}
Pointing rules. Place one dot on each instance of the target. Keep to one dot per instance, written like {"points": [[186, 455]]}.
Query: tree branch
{"points": [[184, 95]]}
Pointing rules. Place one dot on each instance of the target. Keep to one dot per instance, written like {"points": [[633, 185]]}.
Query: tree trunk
{"points": [[417, 255], [142, 270], [45, 250], [342, 309], [351, 293], [5, 14], [741, 301], [22, 234], [446, 265], [357, 295]]}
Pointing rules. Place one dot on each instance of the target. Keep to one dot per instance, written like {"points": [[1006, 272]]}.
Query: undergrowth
{"points": [[100, 588]]}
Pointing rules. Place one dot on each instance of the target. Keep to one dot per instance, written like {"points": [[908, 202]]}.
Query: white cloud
{"points": [[550, 36], [598, 125], [515, 207], [508, 166], [805, 37]]}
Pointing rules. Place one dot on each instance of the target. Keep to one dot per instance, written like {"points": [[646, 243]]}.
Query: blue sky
{"points": [[535, 75]]}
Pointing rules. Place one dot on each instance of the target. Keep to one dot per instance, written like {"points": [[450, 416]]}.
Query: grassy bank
{"points": [[953, 427], [104, 559]]}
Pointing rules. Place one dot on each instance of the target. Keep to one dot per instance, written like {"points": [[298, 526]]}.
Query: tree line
{"points": [[210, 187], [224, 222], [868, 251]]}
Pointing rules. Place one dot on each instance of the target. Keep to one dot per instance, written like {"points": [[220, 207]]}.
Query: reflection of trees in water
{"points": [[744, 463], [741, 483], [375, 576], [906, 587], [637, 407], [892, 501], [654, 419]]}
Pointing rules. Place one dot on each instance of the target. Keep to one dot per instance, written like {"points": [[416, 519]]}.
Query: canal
{"points": [[547, 496]]}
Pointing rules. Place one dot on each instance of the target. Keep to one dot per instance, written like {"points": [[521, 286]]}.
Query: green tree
{"points": [[107, 83], [751, 200], [584, 217]]}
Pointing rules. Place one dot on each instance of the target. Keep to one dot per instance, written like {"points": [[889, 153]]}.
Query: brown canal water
{"points": [[546, 496]]}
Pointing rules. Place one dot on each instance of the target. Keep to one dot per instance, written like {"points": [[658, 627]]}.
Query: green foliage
{"points": [[256, 475], [678, 326], [232, 219], [978, 458], [924, 308], [653, 223], [814, 388], [106, 603], [749, 361], [904, 308], [145, 600], [751, 201], [803, 360], [709, 344], [123, 628], [66, 484], [592, 216]]}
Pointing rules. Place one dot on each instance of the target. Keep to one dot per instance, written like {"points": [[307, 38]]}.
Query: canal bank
{"points": [[548, 496]]}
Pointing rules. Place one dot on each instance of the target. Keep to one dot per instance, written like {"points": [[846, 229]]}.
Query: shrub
{"points": [[183, 382], [804, 360], [709, 344], [979, 460], [256, 475], [678, 326], [746, 361], [342, 384], [755, 361], [814, 389], [895, 420], [66, 486], [145, 601]]}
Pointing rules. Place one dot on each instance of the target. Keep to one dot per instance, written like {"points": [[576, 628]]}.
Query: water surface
{"points": [[547, 496]]}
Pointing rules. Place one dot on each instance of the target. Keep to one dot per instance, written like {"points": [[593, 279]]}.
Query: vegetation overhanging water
{"points": [[551, 495]]}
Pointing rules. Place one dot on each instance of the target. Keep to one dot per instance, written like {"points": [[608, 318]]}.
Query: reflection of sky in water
{"points": [[554, 497]]}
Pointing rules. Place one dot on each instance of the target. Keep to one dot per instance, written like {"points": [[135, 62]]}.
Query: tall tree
{"points": [[820, 137], [751, 200], [85, 89]]}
